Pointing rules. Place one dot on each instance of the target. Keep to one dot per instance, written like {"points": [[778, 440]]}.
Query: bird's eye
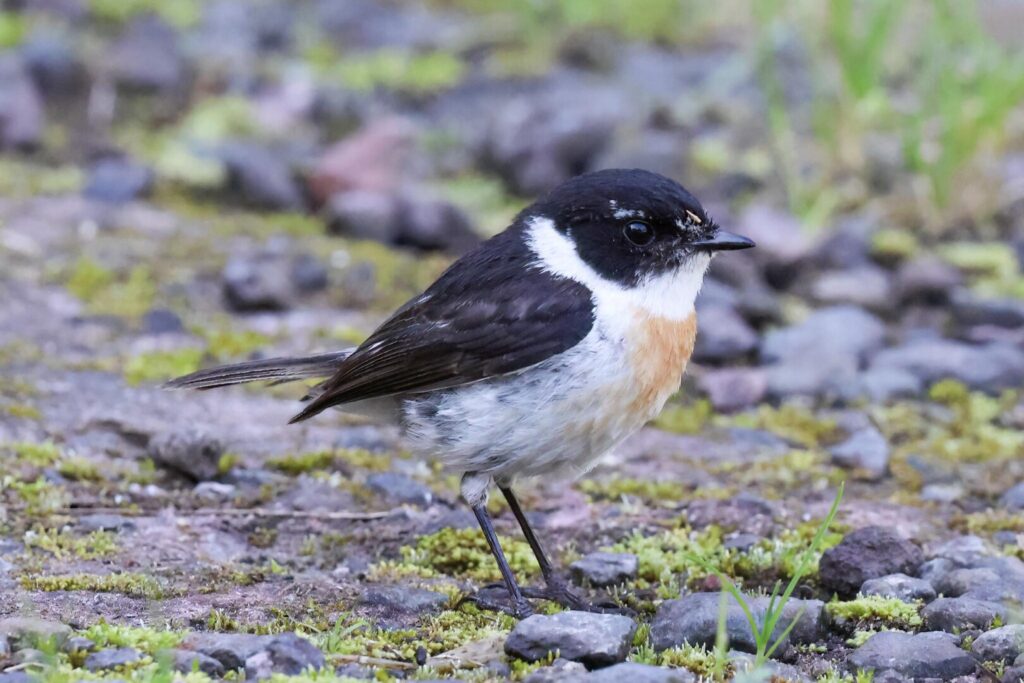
{"points": [[639, 233]]}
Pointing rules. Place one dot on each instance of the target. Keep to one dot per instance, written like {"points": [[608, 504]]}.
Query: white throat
{"points": [[669, 295]]}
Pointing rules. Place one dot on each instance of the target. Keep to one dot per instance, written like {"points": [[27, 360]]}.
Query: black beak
{"points": [[723, 241]]}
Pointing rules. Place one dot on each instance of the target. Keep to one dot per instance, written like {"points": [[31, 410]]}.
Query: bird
{"points": [[533, 354]]}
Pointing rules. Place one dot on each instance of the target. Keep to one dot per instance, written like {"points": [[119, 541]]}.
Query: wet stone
{"points": [[900, 586], [112, 658], [922, 655], [959, 614], [604, 569], [1004, 644], [866, 450], [867, 553], [595, 640]]}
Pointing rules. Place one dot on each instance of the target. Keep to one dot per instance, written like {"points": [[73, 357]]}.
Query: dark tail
{"points": [[274, 370]]}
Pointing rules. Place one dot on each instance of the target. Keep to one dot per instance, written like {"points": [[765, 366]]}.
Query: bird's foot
{"points": [[559, 591], [496, 598]]}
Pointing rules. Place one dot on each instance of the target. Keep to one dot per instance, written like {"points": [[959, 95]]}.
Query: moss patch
{"points": [[65, 544], [134, 585], [874, 612]]}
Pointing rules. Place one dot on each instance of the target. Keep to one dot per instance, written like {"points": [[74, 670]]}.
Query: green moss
{"points": [[22, 411], [303, 463], [157, 366], [104, 292], [134, 585], [989, 522], [39, 497], [180, 13], [695, 658], [142, 638], [874, 612], [80, 469], [391, 69], [894, 245], [37, 454], [12, 29], [666, 493], [464, 553], [64, 544], [791, 422], [226, 344], [688, 419], [23, 179], [994, 260]]}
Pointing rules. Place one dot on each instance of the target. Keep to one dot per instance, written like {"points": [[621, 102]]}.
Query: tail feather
{"points": [[275, 370]]}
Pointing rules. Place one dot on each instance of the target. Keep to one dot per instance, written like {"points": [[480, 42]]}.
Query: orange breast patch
{"points": [[659, 350]]}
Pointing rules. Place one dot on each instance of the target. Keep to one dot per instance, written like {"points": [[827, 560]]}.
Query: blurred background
{"points": [[184, 183]]}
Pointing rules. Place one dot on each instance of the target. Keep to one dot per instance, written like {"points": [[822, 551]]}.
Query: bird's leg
{"points": [[558, 589], [521, 608]]}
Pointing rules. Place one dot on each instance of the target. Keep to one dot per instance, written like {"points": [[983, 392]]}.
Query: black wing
{"points": [[492, 312]]}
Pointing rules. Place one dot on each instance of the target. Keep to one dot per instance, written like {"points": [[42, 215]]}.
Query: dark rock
{"points": [[958, 614], [162, 321], [724, 336], [926, 280], [191, 453], [922, 655], [261, 282], [365, 214], [1004, 644], [400, 488], [260, 177], [22, 117], [404, 220], [308, 273], [596, 640], [693, 619], [187, 661], [732, 389], [867, 553], [970, 309], [900, 586], [112, 658], [288, 653], [116, 179], [967, 580], [50, 59], [1014, 674], [1013, 497], [78, 644], [28, 631], [536, 143], [866, 450], [866, 286], [404, 599], [993, 367], [147, 56], [604, 569]]}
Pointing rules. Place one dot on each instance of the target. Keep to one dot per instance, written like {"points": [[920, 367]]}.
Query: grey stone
{"points": [[186, 661], [1004, 644], [22, 116], [926, 280], [922, 655], [604, 569], [432, 224], [693, 619], [162, 321], [866, 286], [112, 658], [1014, 674], [258, 282], [27, 631], [743, 663], [971, 309], [640, 673], [146, 56], [867, 553], [840, 335], [559, 671], [117, 179], [104, 522], [992, 367], [958, 614], [724, 336], [974, 581], [963, 551], [595, 640], [731, 389], [1013, 497], [308, 274], [194, 454], [404, 599], [16, 677], [879, 386], [400, 488], [78, 644], [50, 58], [866, 450], [288, 653], [260, 177], [365, 214], [900, 586]]}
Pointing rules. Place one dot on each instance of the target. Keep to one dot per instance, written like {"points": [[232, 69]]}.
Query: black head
{"points": [[632, 224]]}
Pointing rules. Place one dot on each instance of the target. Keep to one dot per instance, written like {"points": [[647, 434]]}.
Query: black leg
{"points": [[542, 559], [558, 590], [519, 604]]}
